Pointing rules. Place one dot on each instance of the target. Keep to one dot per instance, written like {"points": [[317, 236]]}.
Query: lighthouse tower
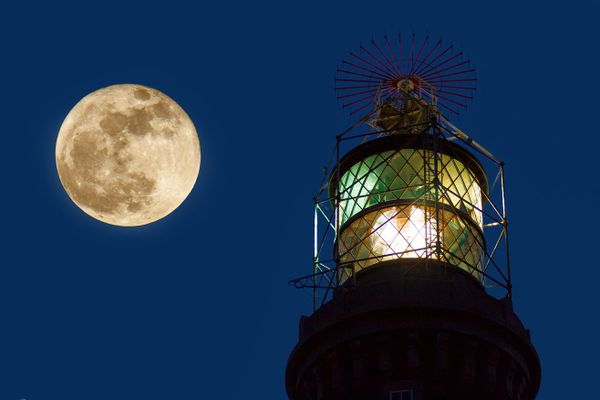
{"points": [[411, 275]]}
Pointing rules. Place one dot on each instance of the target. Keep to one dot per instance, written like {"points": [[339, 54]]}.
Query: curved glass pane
{"points": [[401, 174], [410, 232]]}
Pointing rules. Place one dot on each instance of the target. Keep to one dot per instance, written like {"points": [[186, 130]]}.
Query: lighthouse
{"points": [[411, 283]]}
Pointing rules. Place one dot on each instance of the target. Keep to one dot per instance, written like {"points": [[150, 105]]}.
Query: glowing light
{"points": [[396, 235]]}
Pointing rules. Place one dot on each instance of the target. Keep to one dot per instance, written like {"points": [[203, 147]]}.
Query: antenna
{"points": [[420, 68]]}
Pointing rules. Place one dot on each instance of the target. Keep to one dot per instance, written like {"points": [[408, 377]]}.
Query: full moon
{"points": [[127, 155]]}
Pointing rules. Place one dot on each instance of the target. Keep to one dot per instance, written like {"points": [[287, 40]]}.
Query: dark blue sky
{"points": [[196, 306]]}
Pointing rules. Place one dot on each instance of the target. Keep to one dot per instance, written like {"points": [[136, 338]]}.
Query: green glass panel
{"points": [[401, 174]]}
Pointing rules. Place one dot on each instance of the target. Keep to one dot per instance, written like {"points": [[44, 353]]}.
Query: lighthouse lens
{"points": [[411, 231]]}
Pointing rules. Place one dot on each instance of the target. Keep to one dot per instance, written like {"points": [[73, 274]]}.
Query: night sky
{"points": [[197, 305]]}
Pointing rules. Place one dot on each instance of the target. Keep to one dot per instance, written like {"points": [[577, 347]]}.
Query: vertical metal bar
{"points": [[505, 224], [315, 254], [426, 184], [436, 182], [337, 208]]}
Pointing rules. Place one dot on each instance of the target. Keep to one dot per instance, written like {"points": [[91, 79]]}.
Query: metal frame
{"points": [[327, 270]]}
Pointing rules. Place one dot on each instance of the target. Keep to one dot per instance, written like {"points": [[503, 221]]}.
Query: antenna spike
{"points": [[420, 68]]}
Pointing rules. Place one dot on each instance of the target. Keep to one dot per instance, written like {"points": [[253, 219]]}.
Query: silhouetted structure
{"points": [[413, 304]]}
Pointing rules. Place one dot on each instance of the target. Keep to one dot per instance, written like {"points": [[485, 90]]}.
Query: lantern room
{"points": [[403, 196], [404, 185]]}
